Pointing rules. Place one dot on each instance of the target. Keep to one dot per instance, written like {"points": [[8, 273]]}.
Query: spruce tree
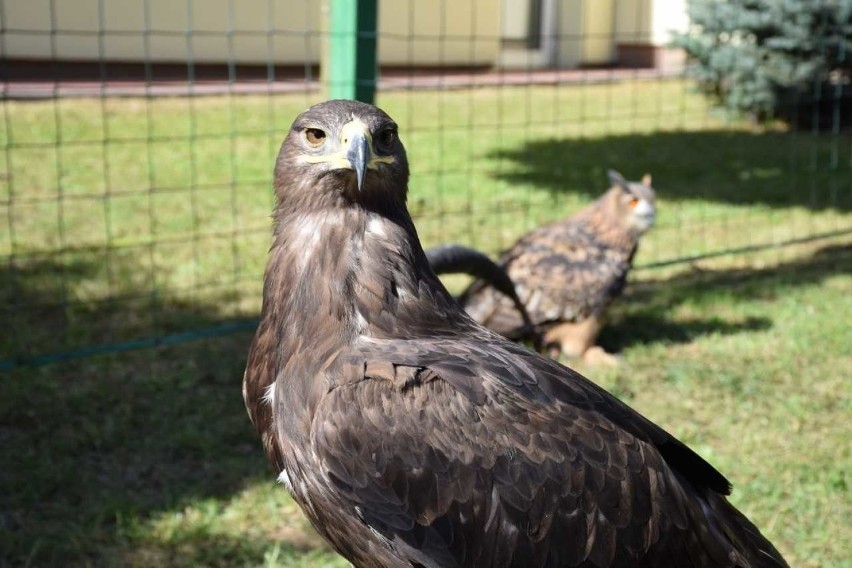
{"points": [[772, 57]]}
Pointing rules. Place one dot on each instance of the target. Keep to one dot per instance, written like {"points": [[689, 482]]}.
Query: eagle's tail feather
{"points": [[747, 539]]}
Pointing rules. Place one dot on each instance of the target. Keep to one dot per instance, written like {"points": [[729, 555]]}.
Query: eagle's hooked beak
{"points": [[358, 153]]}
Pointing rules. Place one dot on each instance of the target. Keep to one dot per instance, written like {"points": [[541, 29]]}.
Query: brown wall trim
{"points": [[38, 70], [43, 70], [647, 56]]}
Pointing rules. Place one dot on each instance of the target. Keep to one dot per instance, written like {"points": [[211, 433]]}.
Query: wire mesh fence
{"points": [[138, 139]]}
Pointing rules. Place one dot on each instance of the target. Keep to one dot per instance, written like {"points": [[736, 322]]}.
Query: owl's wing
{"points": [[561, 273]]}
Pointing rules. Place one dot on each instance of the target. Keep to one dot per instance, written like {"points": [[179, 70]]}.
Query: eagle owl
{"points": [[567, 273]]}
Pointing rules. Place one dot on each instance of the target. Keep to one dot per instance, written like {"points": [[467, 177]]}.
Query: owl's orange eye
{"points": [[634, 202]]}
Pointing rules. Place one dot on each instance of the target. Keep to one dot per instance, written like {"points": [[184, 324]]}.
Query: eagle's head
{"points": [[342, 151]]}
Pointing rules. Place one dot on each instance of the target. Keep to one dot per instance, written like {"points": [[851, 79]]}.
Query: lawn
{"points": [[152, 217]]}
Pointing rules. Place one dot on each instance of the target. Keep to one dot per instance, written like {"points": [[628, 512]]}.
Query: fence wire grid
{"points": [[138, 139]]}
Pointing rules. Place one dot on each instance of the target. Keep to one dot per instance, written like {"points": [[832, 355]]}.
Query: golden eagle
{"points": [[412, 436]]}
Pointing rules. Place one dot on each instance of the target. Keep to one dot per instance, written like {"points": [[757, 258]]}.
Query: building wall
{"points": [[586, 32], [633, 21], [649, 21], [296, 38], [125, 23], [516, 19], [569, 51], [598, 44], [445, 32], [644, 29], [412, 32]]}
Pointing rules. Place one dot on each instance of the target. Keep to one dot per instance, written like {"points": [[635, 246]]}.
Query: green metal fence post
{"points": [[352, 50]]}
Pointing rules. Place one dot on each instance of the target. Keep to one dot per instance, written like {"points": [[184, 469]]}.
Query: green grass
{"points": [[147, 458]]}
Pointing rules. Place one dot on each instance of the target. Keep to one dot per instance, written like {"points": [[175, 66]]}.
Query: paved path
{"points": [[42, 89]]}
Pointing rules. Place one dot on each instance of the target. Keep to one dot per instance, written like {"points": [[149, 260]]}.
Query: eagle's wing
{"points": [[445, 447], [561, 273]]}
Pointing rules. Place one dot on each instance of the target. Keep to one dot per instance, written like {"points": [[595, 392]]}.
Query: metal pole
{"points": [[352, 50]]}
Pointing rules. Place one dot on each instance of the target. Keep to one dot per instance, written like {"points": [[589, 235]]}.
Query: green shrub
{"points": [[773, 58]]}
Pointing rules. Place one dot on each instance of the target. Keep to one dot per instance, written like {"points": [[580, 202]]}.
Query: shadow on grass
{"points": [[41, 300], [93, 446], [774, 169], [642, 329], [641, 316], [709, 284], [225, 551]]}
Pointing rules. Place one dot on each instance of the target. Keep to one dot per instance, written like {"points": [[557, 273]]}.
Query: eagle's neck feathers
{"points": [[334, 278], [335, 273]]}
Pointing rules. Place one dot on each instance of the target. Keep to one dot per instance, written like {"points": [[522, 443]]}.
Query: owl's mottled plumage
{"points": [[568, 273], [412, 436]]}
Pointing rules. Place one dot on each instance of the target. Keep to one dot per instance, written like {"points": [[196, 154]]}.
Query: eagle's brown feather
{"points": [[412, 436]]}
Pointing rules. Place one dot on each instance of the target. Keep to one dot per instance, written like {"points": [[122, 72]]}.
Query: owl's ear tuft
{"points": [[616, 178]]}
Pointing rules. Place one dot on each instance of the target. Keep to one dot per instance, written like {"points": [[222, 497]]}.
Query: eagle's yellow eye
{"points": [[315, 137]]}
